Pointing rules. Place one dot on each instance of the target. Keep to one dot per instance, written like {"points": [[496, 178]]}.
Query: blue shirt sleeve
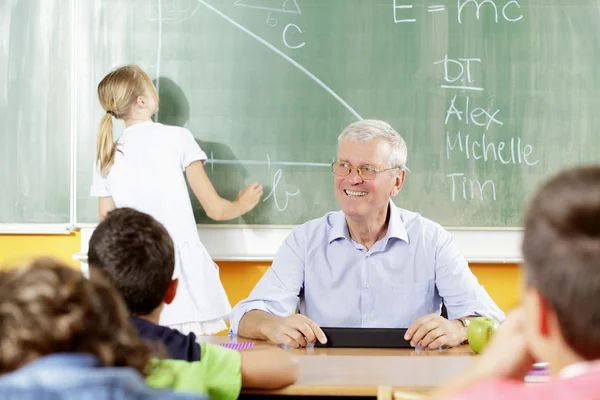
{"points": [[278, 290], [458, 286]]}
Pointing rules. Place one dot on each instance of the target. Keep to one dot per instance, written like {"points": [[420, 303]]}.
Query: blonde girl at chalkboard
{"points": [[146, 169]]}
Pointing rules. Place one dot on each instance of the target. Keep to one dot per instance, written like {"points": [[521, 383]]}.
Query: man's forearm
{"points": [[254, 324]]}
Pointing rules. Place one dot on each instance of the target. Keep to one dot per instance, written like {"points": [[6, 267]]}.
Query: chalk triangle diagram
{"points": [[283, 6]]}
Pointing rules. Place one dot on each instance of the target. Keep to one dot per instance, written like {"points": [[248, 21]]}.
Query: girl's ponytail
{"points": [[117, 93], [105, 146]]}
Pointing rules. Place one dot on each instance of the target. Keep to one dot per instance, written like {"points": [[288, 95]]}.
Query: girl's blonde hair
{"points": [[47, 308], [118, 92]]}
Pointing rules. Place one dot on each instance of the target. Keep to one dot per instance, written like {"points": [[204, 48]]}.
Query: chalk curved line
{"points": [[284, 56]]}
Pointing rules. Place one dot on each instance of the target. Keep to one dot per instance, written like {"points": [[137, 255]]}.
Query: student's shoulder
{"points": [[217, 374], [173, 137], [213, 357], [171, 130], [178, 345], [149, 330], [220, 357]]}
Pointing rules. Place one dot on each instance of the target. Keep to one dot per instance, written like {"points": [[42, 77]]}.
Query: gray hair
{"points": [[371, 129]]}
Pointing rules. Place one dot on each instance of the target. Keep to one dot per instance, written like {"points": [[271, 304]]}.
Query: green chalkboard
{"points": [[35, 111], [491, 96]]}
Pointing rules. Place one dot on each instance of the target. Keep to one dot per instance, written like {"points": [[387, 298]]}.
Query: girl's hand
{"points": [[249, 196]]}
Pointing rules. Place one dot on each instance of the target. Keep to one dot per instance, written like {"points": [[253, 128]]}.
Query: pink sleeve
{"points": [[581, 387], [492, 390]]}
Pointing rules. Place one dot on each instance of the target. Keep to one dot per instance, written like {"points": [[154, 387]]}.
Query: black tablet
{"points": [[365, 337]]}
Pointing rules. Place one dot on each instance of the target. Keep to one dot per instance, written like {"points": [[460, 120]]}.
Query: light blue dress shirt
{"points": [[322, 273]]}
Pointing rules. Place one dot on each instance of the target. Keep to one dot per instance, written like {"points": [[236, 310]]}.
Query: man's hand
{"points": [[294, 331], [434, 331]]}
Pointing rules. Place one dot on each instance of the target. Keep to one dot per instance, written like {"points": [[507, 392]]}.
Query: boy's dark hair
{"points": [[137, 253], [561, 247]]}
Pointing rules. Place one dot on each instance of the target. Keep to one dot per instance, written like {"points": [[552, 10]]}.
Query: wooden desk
{"points": [[358, 372]]}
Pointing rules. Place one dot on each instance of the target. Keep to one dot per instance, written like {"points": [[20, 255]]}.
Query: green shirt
{"points": [[218, 374]]}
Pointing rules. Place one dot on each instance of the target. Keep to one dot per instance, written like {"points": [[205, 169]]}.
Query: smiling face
{"points": [[362, 199]]}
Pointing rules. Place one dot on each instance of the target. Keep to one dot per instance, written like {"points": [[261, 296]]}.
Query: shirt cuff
{"points": [[241, 311]]}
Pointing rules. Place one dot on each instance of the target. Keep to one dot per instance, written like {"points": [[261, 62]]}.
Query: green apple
{"points": [[480, 331]]}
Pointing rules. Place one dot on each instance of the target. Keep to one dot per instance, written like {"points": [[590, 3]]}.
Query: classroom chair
{"points": [[388, 393]]}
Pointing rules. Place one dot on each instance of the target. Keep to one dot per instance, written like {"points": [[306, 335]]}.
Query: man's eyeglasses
{"points": [[367, 172]]}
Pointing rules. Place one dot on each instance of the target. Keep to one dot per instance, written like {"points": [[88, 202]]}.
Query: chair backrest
{"points": [[385, 393], [401, 395], [388, 393]]}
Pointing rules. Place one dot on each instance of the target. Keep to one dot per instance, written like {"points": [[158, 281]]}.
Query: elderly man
{"points": [[371, 264]]}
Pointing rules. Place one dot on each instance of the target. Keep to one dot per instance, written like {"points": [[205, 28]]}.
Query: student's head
{"points": [[47, 308], [369, 145], [561, 248], [125, 93], [137, 254]]}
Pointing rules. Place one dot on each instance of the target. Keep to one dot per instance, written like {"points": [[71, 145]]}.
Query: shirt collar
{"points": [[137, 321], [339, 227], [396, 228], [82, 360], [136, 126]]}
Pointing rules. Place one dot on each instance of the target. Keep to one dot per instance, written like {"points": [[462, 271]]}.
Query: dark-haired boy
{"points": [[137, 254]]}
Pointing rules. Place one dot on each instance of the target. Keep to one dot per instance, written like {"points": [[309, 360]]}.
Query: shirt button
{"points": [[368, 286], [369, 317]]}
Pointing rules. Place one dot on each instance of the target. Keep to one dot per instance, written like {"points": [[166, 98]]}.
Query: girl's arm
{"points": [[215, 206], [105, 205]]}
